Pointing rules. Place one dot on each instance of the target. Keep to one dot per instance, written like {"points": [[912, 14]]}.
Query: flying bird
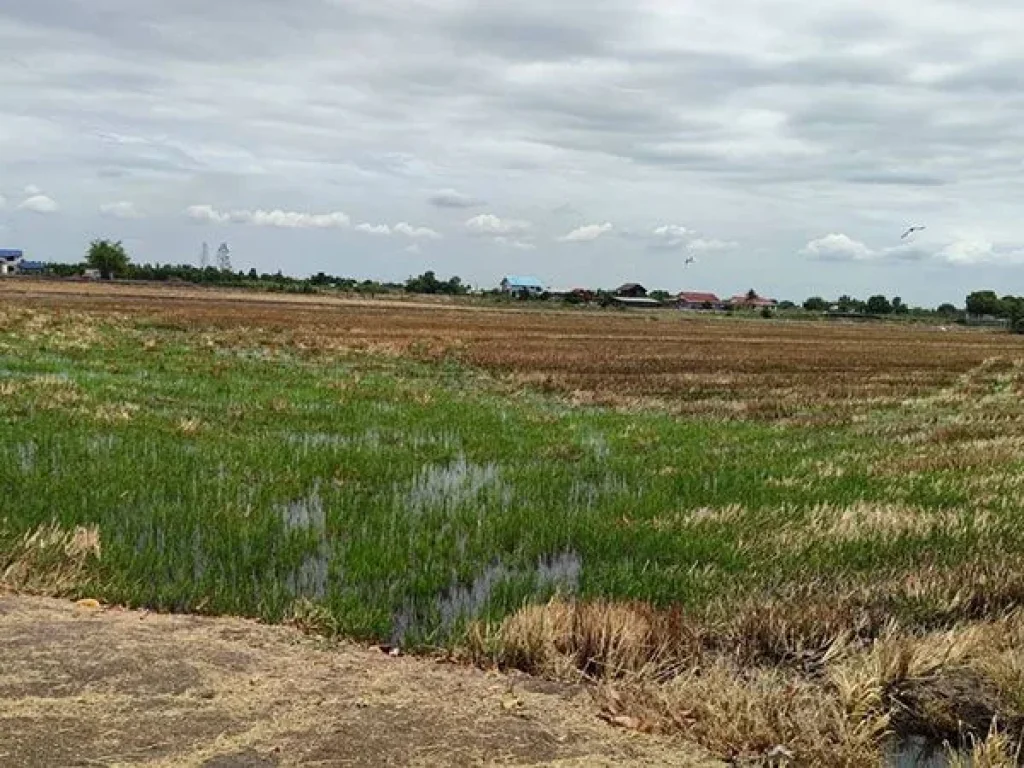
{"points": [[690, 260], [910, 231]]}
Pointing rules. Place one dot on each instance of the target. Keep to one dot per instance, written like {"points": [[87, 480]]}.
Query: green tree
{"points": [[878, 305], [947, 310], [659, 295], [816, 304], [108, 257], [898, 307], [984, 303], [849, 304]]}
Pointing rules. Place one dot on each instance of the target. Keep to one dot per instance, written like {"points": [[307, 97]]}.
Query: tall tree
{"points": [[879, 305], [984, 303], [110, 258]]}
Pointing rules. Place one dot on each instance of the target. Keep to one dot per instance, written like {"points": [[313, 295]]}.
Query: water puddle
{"points": [[596, 443], [916, 752], [449, 486], [310, 579], [102, 443], [27, 454], [585, 494], [555, 572]]}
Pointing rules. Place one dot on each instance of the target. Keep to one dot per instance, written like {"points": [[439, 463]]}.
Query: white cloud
{"points": [[450, 198], [489, 224], [673, 230], [703, 245], [974, 251], [206, 213], [39, 204], [838, 247], [670, 236], [276, 218], [294, 219], [520, 245], [588, 233], [416, 233], [121, 210], [32, 190], [962, 251], [373, 229]]}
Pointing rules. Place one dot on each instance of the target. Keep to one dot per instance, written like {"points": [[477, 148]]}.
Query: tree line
{"points": [[111, 259]]}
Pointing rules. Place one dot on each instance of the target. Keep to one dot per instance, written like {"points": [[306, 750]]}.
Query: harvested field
{"points": [[769, 538], [716, 367]]}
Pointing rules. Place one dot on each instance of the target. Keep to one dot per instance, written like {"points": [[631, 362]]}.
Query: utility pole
{"points": [[224, 257], [204, 257]]}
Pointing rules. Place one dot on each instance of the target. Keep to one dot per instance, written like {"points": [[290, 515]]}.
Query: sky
{"points": [[783, 146]]}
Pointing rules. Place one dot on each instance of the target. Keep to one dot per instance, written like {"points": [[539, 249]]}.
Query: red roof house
{"points": [[698, 300]]}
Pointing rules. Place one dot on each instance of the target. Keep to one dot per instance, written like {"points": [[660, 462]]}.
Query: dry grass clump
{"points": [[866, 519], [755, 715], [50, 560], [599, 640], [996, 750], [812, 677]]}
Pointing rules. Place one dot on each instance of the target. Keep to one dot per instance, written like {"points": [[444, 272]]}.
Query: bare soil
{"points": [[86, 687]]}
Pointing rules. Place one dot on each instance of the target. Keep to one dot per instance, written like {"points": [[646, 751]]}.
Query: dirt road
{"points": [[87, 687]]}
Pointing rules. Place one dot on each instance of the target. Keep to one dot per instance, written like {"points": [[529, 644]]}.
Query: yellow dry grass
{"points": [[50, 560]]}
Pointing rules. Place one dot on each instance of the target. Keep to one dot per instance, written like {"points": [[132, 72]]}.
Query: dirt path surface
{"points": [[87, 687]]}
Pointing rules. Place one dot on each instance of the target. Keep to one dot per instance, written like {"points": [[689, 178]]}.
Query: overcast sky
{"points": [[783, 144]]}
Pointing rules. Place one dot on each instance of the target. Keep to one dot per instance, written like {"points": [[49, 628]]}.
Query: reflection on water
{"points": [[449, 486], [26, 453], [597, 443], [310, 578], [560, 571], [916, 752]]}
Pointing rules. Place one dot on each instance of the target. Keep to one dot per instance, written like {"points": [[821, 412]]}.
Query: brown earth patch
{"points": [[112, 687]]}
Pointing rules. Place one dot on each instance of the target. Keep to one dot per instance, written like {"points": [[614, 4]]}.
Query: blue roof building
{"points": [[521, 284], [10, 254], [31, 267]]}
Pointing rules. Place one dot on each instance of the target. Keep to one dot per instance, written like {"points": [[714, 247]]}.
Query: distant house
{"points": [[631, 290], [698, 300], [91, 274], [521, 285], [31, 267], [636, 302], [9, 259], [747, 301]]}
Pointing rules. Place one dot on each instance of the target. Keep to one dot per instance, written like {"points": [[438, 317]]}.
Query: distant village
{"points": [[108, 259], [633, 295]]}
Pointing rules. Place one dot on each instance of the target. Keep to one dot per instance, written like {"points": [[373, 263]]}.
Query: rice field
{"points": [[659, 498]]}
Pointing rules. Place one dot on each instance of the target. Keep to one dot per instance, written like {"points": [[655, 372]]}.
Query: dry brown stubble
{"points": [[803, 372], [50, 560]]}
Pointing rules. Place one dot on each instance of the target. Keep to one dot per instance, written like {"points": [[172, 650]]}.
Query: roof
{"points": [[637, 301], [31, 265], [10, 254], [523, 281], [696, 297], [758, 301], [628, 286]]}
